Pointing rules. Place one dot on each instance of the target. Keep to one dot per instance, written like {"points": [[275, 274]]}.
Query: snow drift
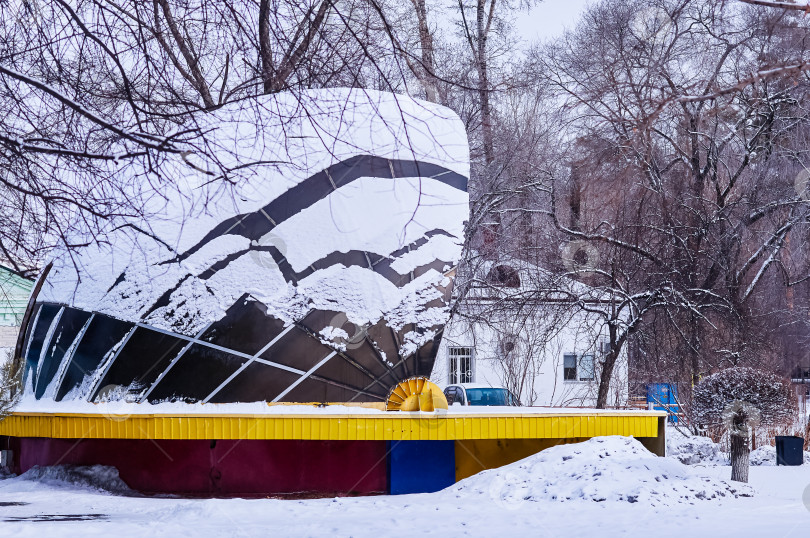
{"points": [[94, 477], [766, 455], [611, 469], [698, 450], [694, 449]]}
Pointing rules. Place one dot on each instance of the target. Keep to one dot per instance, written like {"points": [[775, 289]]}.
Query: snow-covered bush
{"points": [[737, 399], [769, 393]]}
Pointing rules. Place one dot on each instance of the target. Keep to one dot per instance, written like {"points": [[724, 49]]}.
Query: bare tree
{"points": [[682, 212], [10, 381], [414, 37], [99, 95], [477, 35]]}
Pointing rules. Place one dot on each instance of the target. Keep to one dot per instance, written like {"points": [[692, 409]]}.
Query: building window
{"points": [[570, 367], [461, 364], [503, 275], [578, 367], [586, 372], [507, 347]]}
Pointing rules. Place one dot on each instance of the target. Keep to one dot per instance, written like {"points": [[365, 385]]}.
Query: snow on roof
{"points": [[397, 167], [533, 277], [28, 404]]}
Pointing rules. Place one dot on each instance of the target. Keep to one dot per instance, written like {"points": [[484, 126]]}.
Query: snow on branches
{"points": [[720, 393], [738, 399]]}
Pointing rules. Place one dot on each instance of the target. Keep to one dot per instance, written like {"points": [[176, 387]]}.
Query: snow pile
{"points": [[766, 455], [694, 449], [94, 477], [697, 450], [617, 469]]}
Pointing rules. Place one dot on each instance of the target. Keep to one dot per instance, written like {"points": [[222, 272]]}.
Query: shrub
{"points": [[736, 399]]}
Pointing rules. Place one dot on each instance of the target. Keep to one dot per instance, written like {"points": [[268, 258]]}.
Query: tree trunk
{"points": [[193, 72], [739, 457], [265, 50], [616, 344], [604, 379], [275, 75], [482, 29], [427, 72]]}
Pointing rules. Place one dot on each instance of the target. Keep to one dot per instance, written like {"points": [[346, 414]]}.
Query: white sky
{"points": [[549, 18]]}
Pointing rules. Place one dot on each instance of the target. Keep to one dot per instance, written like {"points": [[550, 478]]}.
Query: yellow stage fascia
{"points": [[391, 426]]}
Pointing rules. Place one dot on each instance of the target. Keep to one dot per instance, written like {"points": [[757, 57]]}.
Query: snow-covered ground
{"points": [[604, 487]]}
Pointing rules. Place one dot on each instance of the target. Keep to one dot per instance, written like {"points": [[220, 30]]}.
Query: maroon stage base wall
{"points": [[247, 468]]}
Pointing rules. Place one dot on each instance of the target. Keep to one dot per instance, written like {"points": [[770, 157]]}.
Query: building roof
{"points": [[508, 278]]}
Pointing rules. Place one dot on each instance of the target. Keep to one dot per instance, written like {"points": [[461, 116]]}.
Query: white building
{"points": [[546, 352], [14, 291]]}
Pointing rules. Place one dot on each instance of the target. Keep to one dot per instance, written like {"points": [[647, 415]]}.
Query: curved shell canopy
{"points": [[306, 255]]}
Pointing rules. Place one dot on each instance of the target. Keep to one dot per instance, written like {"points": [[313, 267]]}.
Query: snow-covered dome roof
{"points": [[321, 275]]}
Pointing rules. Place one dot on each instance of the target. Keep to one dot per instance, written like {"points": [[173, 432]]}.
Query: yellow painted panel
{"points": [[288, 427], [476, 455], [315, 427]]}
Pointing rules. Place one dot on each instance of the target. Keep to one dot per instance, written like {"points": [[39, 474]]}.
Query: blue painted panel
{"points": [[662, 393], [420, 466], [664, 397]]}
